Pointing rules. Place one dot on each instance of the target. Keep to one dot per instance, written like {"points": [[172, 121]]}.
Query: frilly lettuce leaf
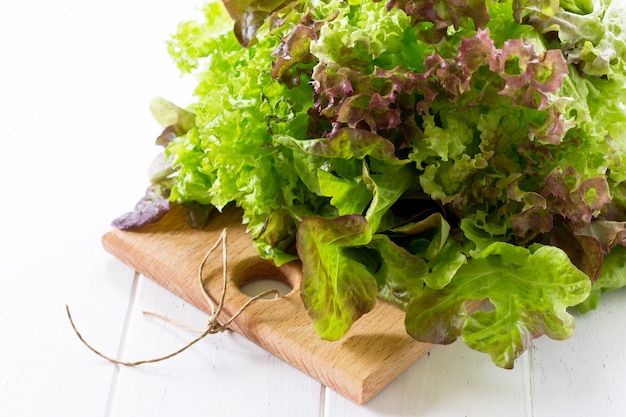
{"points": [[443, 14], [194, 40], [229, 155], [346, 143], [591, 32], [529, 289]]}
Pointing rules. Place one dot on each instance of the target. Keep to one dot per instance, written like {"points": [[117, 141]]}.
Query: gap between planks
{"points": [[528, 362], [122, 345]]}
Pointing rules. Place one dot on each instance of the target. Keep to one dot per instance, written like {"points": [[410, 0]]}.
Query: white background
{"points": [[76, 138]]}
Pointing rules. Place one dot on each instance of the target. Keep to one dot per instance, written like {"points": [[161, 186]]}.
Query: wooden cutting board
{"points": [[374, 352]]}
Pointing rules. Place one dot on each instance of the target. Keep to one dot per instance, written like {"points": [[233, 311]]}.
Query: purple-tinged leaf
{"points": [[531, 222], [583, 250], [249, 16], [148, 210], [293, 49], [573, 198], [607, 233], [442, 14], [197, 214], [528, 76]]}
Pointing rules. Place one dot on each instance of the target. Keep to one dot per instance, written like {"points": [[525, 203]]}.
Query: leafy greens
{"points": [[427, 152]]}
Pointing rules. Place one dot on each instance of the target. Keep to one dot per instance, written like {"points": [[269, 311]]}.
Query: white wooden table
{"points": [[76, 138]]}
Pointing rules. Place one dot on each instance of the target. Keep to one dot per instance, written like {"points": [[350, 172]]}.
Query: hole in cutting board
{"points": [[254, 275], [257, 285]]}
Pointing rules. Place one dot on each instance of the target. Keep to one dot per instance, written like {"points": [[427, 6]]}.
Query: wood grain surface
{"points": [[373, 353]]}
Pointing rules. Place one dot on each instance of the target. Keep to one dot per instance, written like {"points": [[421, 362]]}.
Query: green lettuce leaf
{"points": [[399, 273], [435, 245], [336, 289], [348, 195], [386, 188], [529, 290], [277, 238]]}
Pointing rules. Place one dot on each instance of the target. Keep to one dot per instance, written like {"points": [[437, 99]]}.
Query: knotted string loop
{"points": [[214, 325]]}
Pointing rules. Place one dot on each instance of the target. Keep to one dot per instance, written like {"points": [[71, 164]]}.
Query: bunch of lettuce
{"points": [[426, 152]]}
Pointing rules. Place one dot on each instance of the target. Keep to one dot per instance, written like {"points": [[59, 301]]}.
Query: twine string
{"points": [[173, 322], [214, 325]]}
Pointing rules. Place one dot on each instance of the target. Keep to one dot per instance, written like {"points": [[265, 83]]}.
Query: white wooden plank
{"points": [[76, 79], [584, 375], [449, 381], [50, 241], [43, 363], [223, 375]]}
